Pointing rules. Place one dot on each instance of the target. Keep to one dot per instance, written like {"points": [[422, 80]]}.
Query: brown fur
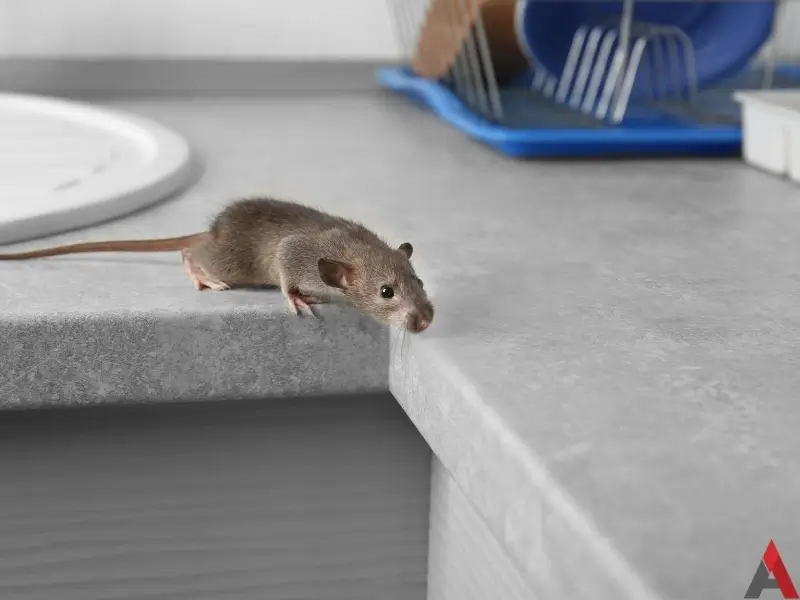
{"points": [[312, 256]]}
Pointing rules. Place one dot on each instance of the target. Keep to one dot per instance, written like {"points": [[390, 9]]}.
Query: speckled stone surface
{"points": [[612, 375], [236, 352]]}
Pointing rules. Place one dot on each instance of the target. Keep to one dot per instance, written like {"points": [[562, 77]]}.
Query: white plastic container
{"points": [[771, 130]]}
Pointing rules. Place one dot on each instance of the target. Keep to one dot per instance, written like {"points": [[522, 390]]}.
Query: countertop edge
{"points": [[542, 529], [145, 357]]}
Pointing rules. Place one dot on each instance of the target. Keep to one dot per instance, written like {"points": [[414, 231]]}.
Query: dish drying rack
{"points": [[592, 107]]}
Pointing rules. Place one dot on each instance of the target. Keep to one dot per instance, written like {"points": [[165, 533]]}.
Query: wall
{"points": [[288, 29]]}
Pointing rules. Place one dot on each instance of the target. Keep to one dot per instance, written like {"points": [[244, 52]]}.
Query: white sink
{"points": [[66, 165]]}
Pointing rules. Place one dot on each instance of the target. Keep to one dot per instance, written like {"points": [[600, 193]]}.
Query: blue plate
{"points": [[725, 35]]}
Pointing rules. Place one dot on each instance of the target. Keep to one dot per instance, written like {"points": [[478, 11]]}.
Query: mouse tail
{"points": [[157, 245]]}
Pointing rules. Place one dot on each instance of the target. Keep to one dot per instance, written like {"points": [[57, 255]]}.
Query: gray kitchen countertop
{"points": [[612, 375]]}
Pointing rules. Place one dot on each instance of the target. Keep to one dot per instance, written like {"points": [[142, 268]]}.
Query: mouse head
{"points": [[384, 285]]}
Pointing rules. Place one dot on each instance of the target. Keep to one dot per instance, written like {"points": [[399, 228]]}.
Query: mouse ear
{"points": [[406, 249], [334, 273]]}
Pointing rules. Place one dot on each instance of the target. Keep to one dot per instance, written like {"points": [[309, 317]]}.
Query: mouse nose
{"points": [[419, 321]]}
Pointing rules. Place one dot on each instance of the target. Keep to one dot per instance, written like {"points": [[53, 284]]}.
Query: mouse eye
{"points": [[386, 292]]}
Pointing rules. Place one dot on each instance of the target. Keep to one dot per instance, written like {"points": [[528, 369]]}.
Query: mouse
{"points": [[312, 256]]}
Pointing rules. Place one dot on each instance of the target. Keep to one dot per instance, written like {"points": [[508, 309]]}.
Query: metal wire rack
{"points": [[619, 74]]}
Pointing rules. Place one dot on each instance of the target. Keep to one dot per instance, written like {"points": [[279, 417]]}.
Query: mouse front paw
{"points": [[299, 304]]}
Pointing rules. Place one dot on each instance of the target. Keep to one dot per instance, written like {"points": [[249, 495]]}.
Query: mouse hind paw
{"points": [[215, 285], [199, 276]]}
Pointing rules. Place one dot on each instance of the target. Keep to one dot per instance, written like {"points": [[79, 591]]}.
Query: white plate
{"points": [[66, 165]]}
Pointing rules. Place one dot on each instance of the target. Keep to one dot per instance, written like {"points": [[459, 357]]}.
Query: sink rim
{"points": [[101, 198]]}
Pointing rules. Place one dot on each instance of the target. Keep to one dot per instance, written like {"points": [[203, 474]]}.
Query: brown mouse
{"points": [[314, 258]]}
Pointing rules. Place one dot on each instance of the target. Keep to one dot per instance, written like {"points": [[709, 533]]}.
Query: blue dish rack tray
{"points": [[536, 127]]}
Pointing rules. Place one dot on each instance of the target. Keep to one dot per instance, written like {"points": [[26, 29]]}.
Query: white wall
{"points": [[280, 29], [283, 29]]}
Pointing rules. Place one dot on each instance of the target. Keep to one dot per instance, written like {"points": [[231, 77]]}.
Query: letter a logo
{"points": [[771, 563]]}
